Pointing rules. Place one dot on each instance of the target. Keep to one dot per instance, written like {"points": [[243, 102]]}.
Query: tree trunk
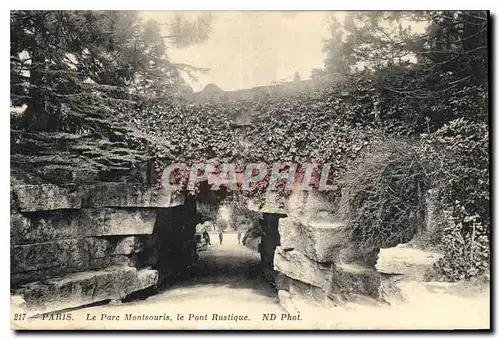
{"points": [[36, 113]]}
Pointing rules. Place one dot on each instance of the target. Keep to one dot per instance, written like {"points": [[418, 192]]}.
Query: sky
{"points": [[248, 49]]}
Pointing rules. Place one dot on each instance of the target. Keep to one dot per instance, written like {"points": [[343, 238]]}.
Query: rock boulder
{"points": [[318, 240], [84, 288], [414, 264]]}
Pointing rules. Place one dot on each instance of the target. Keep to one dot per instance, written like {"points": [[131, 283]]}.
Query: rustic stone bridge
{"points": [[87, 227], [77, 245]]}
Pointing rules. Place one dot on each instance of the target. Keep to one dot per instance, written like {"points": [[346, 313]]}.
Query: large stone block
{"points": [[77, 253], [64, 224], [338, 281], [270, 203], [299, 267], [319, 240], [414, 263], [397, 290], [47, 197], [84, 288], [132, 195], [17, 279], [313, 295], [252, 242], [146, 278], [29, 198], [306, 205]]}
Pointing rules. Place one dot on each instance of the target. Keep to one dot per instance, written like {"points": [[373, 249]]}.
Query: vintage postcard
{"points": [[252, 170]]}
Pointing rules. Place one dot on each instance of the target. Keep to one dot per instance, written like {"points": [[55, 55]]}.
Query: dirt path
{"points": [[223, 290], [224, 284]]}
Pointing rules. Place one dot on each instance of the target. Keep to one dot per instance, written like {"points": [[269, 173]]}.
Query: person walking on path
{"points": [[221, 236], [206, 236]]}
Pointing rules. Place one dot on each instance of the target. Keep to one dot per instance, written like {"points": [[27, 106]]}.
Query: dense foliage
{"points": [[459, 153], [296, 127], [92, 71], [434, 87], [67, 62], [385, 196]]}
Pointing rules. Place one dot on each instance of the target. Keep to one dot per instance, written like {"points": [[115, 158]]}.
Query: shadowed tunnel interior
{"points": [[187, 251], [230, 265]]}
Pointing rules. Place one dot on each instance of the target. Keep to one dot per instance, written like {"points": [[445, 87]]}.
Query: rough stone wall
{"points": [[86, 224], [317, 255], [172, 245], [313, 258], [268, 243], [73, 245]]}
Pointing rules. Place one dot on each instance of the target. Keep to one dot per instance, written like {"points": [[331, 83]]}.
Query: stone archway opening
{"points": [[241, 261]]}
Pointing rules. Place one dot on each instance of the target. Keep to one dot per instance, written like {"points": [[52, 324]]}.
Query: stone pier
{"points": [[75, 245], [314, 259]]}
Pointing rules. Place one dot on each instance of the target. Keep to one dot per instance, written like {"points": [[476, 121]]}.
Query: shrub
{"points": [[383, 199], [465, 243], [459, 154]]}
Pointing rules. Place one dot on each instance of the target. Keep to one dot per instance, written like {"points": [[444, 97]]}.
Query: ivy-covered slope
{"points": [[327, 120], [298, 123]]}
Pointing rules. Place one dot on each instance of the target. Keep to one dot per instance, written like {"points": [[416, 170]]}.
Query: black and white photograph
{"points": [[250, 170]]}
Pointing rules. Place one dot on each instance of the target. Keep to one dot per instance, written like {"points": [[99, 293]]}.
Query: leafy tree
{"points": [[89, 60], [379, 38], [296, 77], [186, 33], [430, 84], [338, 57], [433, 75]]}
